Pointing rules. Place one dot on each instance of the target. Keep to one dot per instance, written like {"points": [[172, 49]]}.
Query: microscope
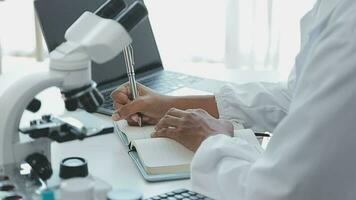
{"points": [[98, 37]]}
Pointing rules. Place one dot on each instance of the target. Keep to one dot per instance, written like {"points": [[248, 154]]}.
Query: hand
{"points": [[191, 127], [151, 105]]}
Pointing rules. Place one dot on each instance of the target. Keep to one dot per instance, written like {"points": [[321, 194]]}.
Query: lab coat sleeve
{"points": [[258, 106], [312, 153]]}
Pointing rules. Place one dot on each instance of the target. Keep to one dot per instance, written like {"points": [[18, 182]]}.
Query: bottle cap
{"points": [[73, 167], [47, 195]]}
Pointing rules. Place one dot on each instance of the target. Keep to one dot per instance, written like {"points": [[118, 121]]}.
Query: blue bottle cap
{"points": [[47, 195]]}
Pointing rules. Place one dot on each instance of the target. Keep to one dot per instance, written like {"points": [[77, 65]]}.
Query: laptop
{"points": [[55, 16]]}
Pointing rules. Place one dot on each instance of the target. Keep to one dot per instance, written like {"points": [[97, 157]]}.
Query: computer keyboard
{"points": [[180, 194], [163, 83]]}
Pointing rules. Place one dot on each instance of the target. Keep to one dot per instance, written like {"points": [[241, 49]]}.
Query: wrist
{"points": [[168, 102], [172, 102], [205, 102]]}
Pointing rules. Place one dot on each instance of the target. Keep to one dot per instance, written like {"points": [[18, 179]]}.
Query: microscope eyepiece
{"points": [[87, 97], [111, 9], [132, 16]]}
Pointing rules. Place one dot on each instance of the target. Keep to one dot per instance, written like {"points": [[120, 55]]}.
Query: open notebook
{"points": [[158, 159]]}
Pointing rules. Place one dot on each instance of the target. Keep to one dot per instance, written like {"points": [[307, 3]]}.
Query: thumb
{"points": [[131, 108]]}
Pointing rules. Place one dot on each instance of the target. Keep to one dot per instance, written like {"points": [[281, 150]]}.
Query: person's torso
{"points": [[0, 59], [311, 26]]}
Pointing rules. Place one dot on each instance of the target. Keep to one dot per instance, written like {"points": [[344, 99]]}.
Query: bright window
{"points": [[186, 31], [189, 30], [17, 29]]}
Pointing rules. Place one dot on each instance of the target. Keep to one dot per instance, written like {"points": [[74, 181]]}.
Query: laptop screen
{"points": [[56, 16]]}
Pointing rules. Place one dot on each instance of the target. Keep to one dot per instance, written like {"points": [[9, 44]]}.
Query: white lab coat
{"points": [[0, 59], [312, 153]]}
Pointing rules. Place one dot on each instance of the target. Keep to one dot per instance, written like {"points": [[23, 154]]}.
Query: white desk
{"points": [[108, 159], [106, 155]]}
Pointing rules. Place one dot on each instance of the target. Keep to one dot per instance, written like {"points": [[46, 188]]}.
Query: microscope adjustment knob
{"points": [[34, 105], [73, 167], [40, 165]]}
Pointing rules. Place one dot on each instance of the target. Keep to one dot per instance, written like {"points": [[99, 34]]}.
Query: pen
{"points": [[130, 63]]}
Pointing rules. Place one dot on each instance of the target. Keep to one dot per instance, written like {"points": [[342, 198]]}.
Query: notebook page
{"points": [[134, 132], [163, 152]]}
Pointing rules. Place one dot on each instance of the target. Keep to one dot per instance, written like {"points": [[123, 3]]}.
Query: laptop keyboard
{"points": [[163, 83], [181, 194]]}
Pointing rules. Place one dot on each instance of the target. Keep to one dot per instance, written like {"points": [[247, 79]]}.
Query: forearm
{"points": [[205, 102]]}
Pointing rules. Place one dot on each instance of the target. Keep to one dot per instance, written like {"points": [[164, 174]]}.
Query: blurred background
{"points": [[258, 35]]}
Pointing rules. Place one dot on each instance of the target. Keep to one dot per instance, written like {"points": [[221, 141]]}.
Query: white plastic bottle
{"points": [[77, 189], [88, 188]]}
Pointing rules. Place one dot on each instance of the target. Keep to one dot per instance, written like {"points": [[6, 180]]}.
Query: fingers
{"points": [[120, 98], [141, 89], [126, 108], [198, 110], [176, 112], [118, 105], [165, 132], [179, 119], [125, 111], [168, 121], [123, 89], [131, 121], [148, 120], [115, 116], [173, 118]]}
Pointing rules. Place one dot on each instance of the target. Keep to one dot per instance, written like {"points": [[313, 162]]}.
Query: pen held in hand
{"points": [[130, 63]]}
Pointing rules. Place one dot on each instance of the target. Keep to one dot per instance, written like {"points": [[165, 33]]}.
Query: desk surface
{"points": [[106, 155], [108, 159]]}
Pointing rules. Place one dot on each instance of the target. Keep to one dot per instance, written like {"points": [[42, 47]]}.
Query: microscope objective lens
{"points": [[14, 197], [4, 178], [7, 188]]}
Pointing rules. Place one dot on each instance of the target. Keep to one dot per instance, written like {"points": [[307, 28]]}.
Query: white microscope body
{"points": [[91, 38]]}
